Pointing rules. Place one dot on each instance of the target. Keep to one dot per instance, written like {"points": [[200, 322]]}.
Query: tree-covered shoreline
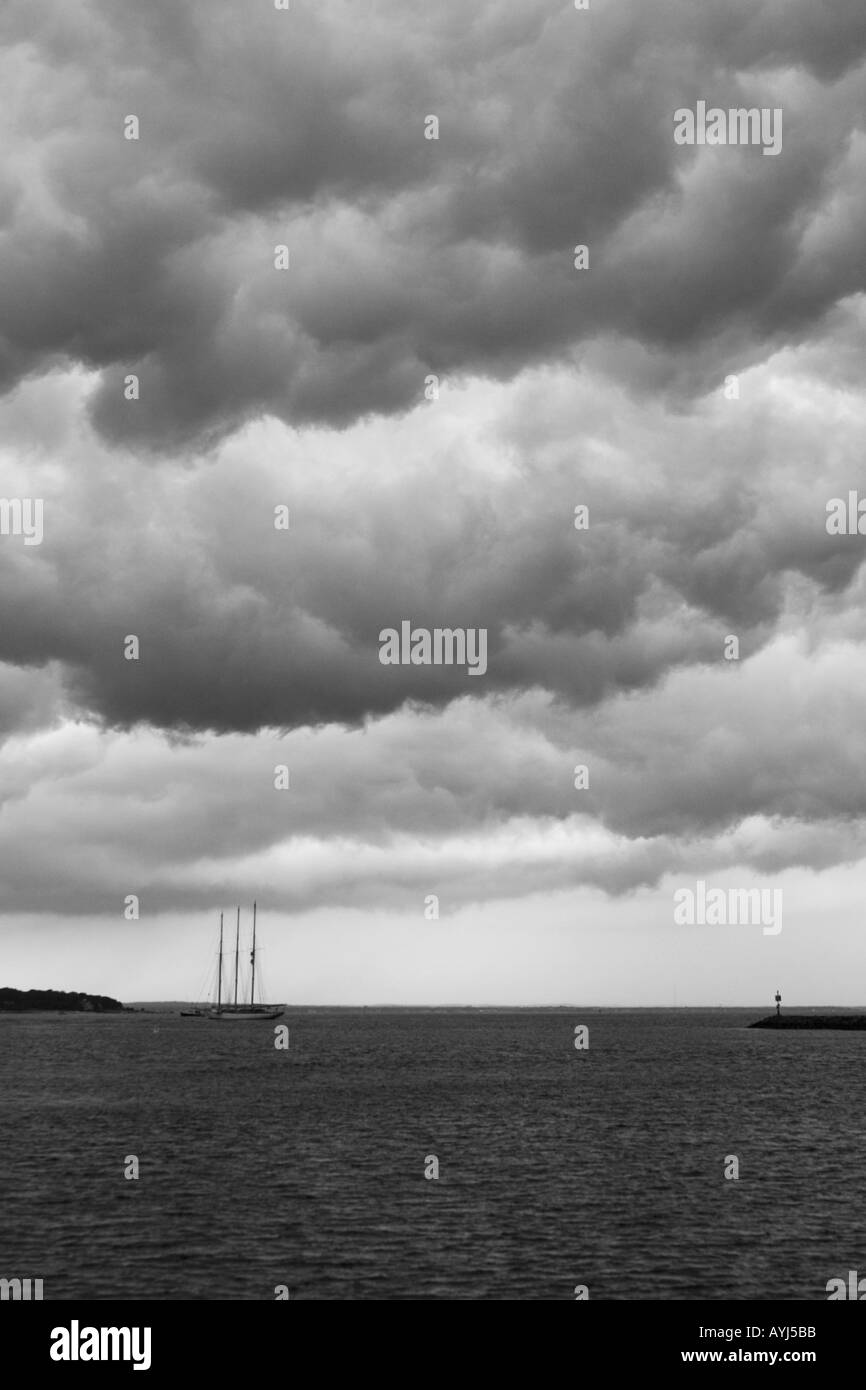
{"points": [[25, 1000]]}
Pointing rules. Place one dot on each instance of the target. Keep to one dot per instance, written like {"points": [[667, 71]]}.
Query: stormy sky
{"points": [[431, 388]]}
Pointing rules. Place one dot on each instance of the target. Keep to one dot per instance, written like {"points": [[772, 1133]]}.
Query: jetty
{"points": [[780, 1020], [849, 1021]]}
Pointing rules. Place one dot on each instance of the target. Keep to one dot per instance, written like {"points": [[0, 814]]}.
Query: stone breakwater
{"points": [[854, 1021]]}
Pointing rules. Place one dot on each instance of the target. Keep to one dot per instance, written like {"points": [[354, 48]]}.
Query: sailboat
{"points": [[241, 1013]]}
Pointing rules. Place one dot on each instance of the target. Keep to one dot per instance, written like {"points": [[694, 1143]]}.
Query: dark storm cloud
{"points": [[452, 256], [702, 524]]}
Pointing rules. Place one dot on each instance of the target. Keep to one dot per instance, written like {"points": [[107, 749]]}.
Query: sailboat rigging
{"points": [[241, 1013]]}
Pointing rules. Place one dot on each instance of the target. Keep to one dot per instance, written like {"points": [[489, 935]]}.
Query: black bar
{"points": [[602, 1339]]}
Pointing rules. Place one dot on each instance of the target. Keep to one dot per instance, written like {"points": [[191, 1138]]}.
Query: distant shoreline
{"points": [[820, 1010], [15, 1001]]}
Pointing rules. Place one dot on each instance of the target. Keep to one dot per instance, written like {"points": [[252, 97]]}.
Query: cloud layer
{"points": [[698, 388]]}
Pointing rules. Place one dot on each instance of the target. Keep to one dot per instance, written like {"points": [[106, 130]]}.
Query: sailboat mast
{"points": [[253, 962], [237, 946], [220, 975]]}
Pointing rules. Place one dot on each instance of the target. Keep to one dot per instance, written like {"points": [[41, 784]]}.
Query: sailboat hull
{"points": [[244, 1013]]}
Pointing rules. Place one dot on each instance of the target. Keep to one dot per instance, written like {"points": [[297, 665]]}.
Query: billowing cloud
{"points": [[701, 525]]}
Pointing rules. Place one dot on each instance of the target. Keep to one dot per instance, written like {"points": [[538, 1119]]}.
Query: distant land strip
{"points": [[854, 1021], [23, 1000]]}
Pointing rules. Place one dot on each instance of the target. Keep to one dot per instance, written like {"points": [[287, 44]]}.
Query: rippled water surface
{"points": [[305, 1167]]}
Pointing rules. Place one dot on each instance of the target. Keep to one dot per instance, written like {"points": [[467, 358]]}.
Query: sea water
{"points": [[308, 1170]]}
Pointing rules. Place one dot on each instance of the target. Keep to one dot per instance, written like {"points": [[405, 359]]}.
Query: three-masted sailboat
{"points": [[241, 1013]]}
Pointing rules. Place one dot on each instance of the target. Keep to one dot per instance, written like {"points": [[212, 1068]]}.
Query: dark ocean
{"points": [[305, 1167]]}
